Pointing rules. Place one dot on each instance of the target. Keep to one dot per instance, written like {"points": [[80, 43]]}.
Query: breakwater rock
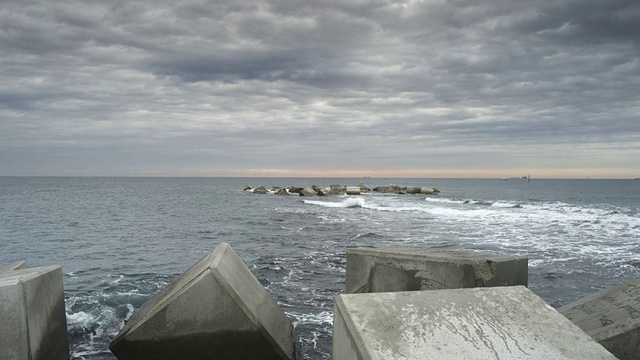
{"points": [[446, 304], [216, 309], [611, 317], [409, 269], [32, 318], [315, 190], [504, 322]]}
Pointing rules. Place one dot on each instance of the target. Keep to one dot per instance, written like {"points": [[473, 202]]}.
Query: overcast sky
{"points": [[433, 88]]}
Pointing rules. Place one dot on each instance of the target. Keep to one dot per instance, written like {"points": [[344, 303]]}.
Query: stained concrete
{"points": [[409, 269], [216, 309], [481, 323], [32, 315], [611, 317], [353, 190], [18, 265]]}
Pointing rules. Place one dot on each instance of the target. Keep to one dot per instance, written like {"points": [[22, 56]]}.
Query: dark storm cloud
{"points": [[245, 83], [588, 21], [299, 66]]}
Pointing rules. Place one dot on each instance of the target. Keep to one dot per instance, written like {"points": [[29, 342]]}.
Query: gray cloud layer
{"points": [[165, 87]]}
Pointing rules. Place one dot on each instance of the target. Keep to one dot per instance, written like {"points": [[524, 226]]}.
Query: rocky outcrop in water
{"points": [[330, 190]]}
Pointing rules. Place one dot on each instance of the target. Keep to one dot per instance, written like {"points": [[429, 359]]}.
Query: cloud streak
{"points": [[412, 88]]}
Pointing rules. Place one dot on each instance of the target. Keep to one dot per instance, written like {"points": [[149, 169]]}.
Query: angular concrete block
{"points": [[353, 190], [482, 323], [33, 322], [216, 309], [409, 269], [611, 317], [18, 265]]}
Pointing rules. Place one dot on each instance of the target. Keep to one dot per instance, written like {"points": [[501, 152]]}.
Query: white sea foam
{"points": [[79, 320], [443, 200], [321, 318], [506, 204], [559, 232], [351, 202], [99, 320], [115, 279], [130, 313]]}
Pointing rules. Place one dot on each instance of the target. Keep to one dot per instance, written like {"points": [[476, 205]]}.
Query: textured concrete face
{"points": [[482, 323], [32, 315], [409, 269], [216, 309], [611, 317], [18, 265], [353, 190]]}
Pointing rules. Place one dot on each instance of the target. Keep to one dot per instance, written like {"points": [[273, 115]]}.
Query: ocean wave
{"points": [[441, 200], [365, 235], [507, 213], [321, 318], [507, 204], [91, 324], [537, 211], [497, 203], [352, 202]]}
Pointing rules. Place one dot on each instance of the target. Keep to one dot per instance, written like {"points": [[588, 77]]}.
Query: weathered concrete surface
{"points": [[216, 309], [353, 190], [32, 316], [407, 269], [428, 191], [308, 191], [260, 190], [15, 266], [611, 317], [481, 323]]}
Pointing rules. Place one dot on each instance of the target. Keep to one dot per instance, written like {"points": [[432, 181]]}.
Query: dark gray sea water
{"points": [[121, 240]]}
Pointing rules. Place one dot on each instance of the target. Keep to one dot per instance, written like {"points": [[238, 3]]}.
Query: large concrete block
{"points": [[481, 323], [353, 190], [611, 317], [33, 322], [15, 266], [215, 310], [408, 269]]}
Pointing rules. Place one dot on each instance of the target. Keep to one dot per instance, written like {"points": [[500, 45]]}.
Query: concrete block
{"points": [[611, 317], [353, 190], [409, 269], [482, 323], [216, 309], [15, 266], [308, 191], [33, 322]]}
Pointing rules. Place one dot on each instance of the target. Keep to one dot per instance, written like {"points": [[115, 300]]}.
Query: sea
{"points": [[120, 240]]}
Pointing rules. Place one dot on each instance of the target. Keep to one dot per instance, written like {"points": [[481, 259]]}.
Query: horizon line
{"points": [[324, 177]]}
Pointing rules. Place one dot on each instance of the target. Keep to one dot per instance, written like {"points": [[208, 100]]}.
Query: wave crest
{"points": [[347, 203]]}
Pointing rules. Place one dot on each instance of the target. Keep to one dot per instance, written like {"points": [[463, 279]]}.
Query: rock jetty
{"points": [[359, 189]]}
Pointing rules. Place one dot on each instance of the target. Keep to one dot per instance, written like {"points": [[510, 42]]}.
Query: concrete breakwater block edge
{"points": [[409, 268], [479, 323], [18, 265], [32, 314], [611, 317], [215, 307]]}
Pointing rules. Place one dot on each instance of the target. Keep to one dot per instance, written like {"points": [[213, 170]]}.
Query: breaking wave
{"points": [[346, 203]]}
